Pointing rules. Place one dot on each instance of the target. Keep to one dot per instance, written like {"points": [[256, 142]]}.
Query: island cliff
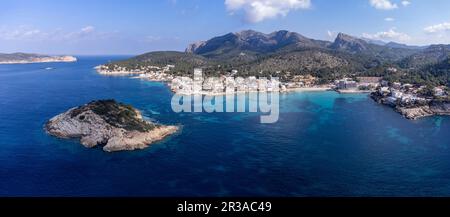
{"points": [[115, 125]]}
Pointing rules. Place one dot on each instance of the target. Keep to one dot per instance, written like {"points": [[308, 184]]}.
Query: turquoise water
{"points": [[324, 144]]}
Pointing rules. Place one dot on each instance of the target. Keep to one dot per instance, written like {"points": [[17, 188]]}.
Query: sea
{"points": [[324, 144]]}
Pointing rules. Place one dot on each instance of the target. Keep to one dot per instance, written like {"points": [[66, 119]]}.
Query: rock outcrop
{"points": [[415, 111], [115, 125], [192, 48]]}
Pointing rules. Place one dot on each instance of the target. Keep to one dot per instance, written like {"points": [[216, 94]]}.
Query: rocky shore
{"points": [[115, 126], [415, 110]]}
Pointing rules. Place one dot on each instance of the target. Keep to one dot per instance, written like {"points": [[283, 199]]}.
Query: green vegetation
{"points": [[364, 88], [116, 114], [293, 54], [427, 91]]}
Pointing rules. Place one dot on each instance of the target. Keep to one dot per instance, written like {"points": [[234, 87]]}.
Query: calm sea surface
{"points": [[324, 144]]}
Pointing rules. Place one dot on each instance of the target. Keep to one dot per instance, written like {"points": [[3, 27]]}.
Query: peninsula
{"points": [[116, 126], [25, 58], [413, 102]]}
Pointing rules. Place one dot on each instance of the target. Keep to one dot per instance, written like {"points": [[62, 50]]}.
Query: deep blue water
{"points": [[324, 144]]}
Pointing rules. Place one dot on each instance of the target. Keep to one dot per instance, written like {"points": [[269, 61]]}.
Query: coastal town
{"points": [[228, 83], [412, 101]]}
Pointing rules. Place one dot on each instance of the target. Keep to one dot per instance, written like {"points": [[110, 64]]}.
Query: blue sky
{"points": [[132, 27]]}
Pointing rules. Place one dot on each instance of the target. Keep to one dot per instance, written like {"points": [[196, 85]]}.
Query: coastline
{"points": [[350, 91], [415, 111], [412, 112], [64, 59], [309, 89], [165, 78]]}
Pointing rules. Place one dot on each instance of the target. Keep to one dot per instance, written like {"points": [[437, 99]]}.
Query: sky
{"points": [[104, 27]]}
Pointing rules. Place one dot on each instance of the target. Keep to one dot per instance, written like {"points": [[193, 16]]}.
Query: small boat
{"points": [[49, 68]]}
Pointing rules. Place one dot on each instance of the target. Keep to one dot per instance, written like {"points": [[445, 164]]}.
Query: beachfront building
{"points": [[262, 84], [252, 83], [273, 85], [241, 85], [369, 82], [182, 85], [230, 84], [345, 83]]}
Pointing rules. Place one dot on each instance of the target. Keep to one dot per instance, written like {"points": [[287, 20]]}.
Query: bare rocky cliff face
{"points": [[116, 126]]}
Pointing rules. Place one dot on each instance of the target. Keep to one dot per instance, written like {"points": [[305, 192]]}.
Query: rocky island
{"points": [[116, 126], [24, 58]]}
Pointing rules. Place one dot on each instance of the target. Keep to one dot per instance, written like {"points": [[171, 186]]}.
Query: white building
{"points": [[262, 84], [252, 83], [396, 94], [230, 85], [345, 83], [439, 92], [273, 85], [241, 84]]}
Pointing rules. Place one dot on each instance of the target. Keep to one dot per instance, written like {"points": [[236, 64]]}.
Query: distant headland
{"points": [[25, 58]]}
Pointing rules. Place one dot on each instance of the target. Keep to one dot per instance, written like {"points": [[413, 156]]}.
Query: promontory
{"points": [[25, 58], [115, 126]]}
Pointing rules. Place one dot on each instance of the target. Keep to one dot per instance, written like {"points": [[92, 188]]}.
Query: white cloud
{"points": [[88, 29], [21, 33], [152, 38], [390, 35], [389, 19], [438, 28], [383, 4], [84, 33], [406, 3], [331, 34], [259, 10], [27, 33]]}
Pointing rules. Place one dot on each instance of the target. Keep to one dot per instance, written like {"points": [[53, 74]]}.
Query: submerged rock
{"points": [[115, 125]]}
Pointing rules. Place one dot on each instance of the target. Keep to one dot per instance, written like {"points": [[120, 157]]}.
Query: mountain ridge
{"points": [[251, 41], [286, 54]]}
